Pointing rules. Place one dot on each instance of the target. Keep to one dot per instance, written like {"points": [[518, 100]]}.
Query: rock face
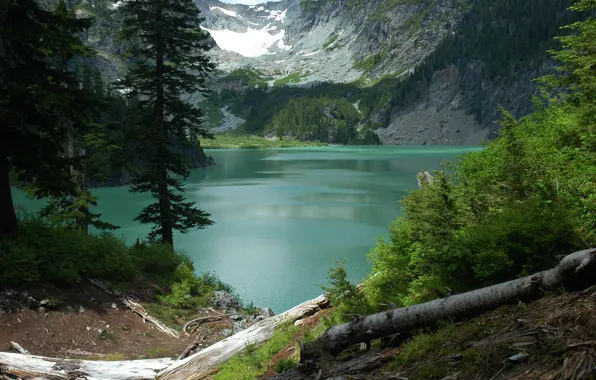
{"points": [[312, 43]]}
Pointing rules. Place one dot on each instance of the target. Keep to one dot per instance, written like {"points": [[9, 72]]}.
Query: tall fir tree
{"points": [[38, 100], [170, 63]]}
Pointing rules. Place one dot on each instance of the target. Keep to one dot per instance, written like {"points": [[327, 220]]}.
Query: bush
{"points": [[189, 290], [156, 259], [40, 252]]}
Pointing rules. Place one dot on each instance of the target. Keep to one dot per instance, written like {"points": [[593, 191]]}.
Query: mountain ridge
{"points": [[420, 71]]}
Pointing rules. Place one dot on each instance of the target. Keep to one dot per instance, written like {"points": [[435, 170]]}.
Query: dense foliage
{"points": [[321, 119], [41, 103], [512, 209], [43, 253]]}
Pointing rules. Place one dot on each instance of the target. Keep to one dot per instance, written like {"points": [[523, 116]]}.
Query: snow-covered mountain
{"points": [[415, 71], [278, 39]]}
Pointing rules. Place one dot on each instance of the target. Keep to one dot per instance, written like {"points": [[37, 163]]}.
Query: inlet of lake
{"points": [[283, 217]]}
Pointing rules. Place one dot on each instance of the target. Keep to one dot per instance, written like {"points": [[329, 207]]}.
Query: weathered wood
{"points": [[134, 306], [19, 348], [200, 321], [105, 287], [84, 353], [575, 271], [36, 367], [191, 347], [203, 363], [140, 310]]}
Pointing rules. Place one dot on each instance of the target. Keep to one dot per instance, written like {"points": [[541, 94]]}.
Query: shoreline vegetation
{"points": [[238, 141]]}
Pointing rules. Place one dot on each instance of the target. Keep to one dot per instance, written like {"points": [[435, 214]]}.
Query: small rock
{"points": [[236, 317], [42, 310], [88, 328], [226, 332], [258, 318], [267, 312], [521, 357], [81, 309], [114, 306]]}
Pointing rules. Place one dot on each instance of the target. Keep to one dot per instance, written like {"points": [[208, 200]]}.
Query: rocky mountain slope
{"points": [[416, 71]]}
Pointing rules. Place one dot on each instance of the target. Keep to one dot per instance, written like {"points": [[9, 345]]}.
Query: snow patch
{"points": [[281, 45], [226, 12], [309, 54], [261, 8], [277, 15], [252, 23], [252, 43]]}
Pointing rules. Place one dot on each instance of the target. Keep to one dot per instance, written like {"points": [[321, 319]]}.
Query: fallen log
{"points": [[134, 306], [205, 362], [140, 310], [190, 348], [36, 367], [199, 321], [575, 271]]}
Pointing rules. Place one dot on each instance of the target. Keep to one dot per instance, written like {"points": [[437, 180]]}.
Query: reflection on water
{"points": [[283, 217]]}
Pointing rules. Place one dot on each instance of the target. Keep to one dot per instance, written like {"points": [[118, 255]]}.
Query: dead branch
{"points": [[19, 348]]}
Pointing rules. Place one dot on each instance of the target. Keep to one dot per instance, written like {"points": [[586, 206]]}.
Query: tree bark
{"points": [[19, 366], [204, 363], [8, 216], [575, 271]]}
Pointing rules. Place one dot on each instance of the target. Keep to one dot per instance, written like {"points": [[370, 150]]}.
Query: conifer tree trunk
{"points": [[8, 217], [167, 233]]}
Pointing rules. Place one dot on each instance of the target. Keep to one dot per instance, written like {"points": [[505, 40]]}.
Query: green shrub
{"points": [[41, 252], [285, 365], [156, 259]]}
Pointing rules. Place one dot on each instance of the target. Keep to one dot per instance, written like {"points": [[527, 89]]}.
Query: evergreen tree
{"points": [[39, 102], [170, 63]]}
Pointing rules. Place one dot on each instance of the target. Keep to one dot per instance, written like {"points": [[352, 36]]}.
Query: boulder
{"points": [[225, 300], [267, 312]]}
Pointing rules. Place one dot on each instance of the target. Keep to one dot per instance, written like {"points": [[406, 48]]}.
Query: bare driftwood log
{"points": [[19, 348], [199, 321], [88, 354], [191, 347], [140, 310], [134, 306], [204, 363], [575, 271], [21, 366]]}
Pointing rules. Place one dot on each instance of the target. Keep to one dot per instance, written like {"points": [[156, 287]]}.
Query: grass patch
{"points": [[236, 141], [156, 352], [330, 41], [370, 63], [170, 316], [293, 78], [257, 360], [108, 335], [116, 356], [429, 352]]}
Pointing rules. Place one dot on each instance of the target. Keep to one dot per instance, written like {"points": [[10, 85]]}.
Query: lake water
{"points": [[284, 216]]}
